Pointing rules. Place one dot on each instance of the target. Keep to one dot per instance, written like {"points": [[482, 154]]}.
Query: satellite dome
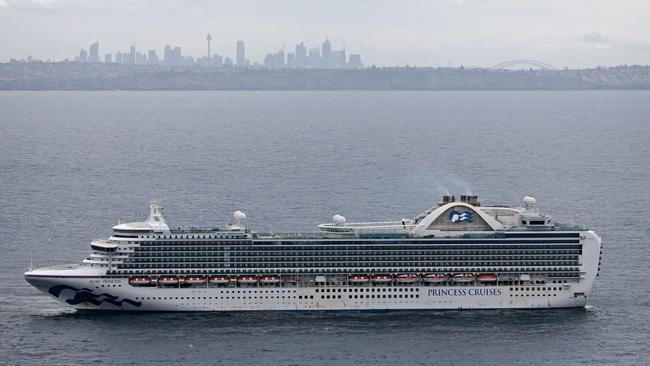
{"points": [[529, 201], [239, 216], [338, 219]]}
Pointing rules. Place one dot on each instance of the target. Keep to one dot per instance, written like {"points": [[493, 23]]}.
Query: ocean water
{"points": [[73, 163]]}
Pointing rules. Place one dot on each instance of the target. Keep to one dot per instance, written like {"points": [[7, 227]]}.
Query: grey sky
{"points": [[574, 33]]}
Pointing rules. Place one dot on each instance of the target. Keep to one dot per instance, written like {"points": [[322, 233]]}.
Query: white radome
{"points": [[239, 216], [529, 201], [338, 219]]}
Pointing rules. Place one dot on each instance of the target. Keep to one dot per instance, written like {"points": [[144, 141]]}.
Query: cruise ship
{"points": [[458, 254]]}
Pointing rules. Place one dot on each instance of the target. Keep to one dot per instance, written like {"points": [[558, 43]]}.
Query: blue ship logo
{"points": [[87, 295], [457, 216]]}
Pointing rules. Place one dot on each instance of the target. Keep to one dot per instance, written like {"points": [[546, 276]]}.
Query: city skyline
{"points": [[323, 57], [573, 34]]}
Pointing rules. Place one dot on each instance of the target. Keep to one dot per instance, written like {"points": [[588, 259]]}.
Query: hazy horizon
{"points": [[386, 33]]}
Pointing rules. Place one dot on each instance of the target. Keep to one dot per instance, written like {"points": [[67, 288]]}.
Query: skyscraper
{"points": [[152, 58], [140, 58], [337, 59], [327, 54], [94, 52], [355, 61], [301, 55], [241, 54], [83, 55], [167, 55], [217, 60], [108, 58], [279, 59], [268, 61], [132, 54], [172, 56], [314, 60], [178, 57]]}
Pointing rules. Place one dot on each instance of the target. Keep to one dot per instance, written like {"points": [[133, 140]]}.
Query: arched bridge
{"points": [[541, 65]]}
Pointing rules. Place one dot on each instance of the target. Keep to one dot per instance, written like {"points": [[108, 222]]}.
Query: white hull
{"points": [[125, 297]]}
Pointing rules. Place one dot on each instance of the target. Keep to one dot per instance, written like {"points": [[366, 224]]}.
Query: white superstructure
{"points": [[456, 255]]}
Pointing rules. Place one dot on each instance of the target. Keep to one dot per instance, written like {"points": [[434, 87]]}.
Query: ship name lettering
{"points": [[464, 292]]}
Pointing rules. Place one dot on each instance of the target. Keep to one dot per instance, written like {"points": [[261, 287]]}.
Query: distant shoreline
{"points": [[115, 77]]}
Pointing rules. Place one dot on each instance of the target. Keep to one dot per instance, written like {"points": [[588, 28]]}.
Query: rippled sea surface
{"points": [[72, 163]]}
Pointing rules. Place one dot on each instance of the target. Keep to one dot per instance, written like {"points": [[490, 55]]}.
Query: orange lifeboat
{"points": [[463, 277], [358, 279], [435, 278], [487, 278], [269, 280], [218, 280], [139, 281], [168, 280], [195, 280], [382, 278], [407, 278], [247, 280]]}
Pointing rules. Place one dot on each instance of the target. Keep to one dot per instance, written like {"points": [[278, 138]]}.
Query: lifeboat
{"points": [[169, 280], [463, 277], [218, 280], [382, 278], [268, 280], [195, 280], [358, 279], [247, 280], [407, 278], [435, 278], [145, 280], [487, 278]]}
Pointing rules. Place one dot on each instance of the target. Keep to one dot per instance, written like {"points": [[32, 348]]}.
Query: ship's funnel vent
{"points": [[472, 200], [448, 199]]}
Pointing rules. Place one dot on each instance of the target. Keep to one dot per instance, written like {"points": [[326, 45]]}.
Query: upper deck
{"points": [[453, 236], [454, 218], [451, 218]]}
